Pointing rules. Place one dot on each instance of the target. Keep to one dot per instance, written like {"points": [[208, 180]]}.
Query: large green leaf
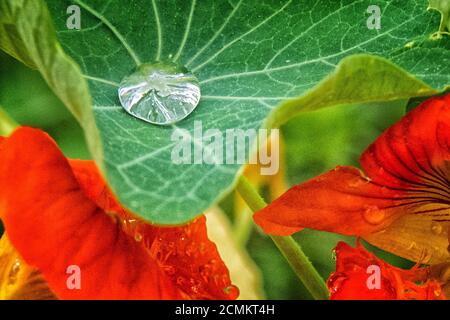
{"points": [[259, 63]]}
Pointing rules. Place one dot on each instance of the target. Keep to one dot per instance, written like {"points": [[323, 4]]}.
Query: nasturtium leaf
{"points": [[258, 63]]}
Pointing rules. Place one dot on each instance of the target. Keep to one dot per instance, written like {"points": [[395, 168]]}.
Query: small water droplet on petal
{"points": [[138, 237], [374, 215], [170, 270], [15, 268], [436, 228], [427, 255], [181, 281], [412, 245], [160, 92], [232, 291]]}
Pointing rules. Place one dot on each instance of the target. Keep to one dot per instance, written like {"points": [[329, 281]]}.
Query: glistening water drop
{"points": [[160, 92]]}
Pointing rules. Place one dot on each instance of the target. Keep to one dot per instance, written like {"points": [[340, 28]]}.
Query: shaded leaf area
{"points": [[259, 63], [416, 101]]}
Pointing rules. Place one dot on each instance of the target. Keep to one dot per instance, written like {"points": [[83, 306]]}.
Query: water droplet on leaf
{"points": [[160, 92], [334, 255]]}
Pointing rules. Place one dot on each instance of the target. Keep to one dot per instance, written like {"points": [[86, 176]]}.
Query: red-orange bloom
{"points": [[59, 214], [360, 275], [402, 200]]}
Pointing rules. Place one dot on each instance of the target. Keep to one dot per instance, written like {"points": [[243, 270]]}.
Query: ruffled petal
{"points": [[185, 253], [360, 275], [413, 154], [54, 222]]}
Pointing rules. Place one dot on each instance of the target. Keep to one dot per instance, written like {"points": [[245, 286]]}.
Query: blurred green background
{"points": [[315, 142], [28, 100]]}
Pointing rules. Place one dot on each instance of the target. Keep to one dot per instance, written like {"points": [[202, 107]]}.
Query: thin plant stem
{"points": [[290, 249]]}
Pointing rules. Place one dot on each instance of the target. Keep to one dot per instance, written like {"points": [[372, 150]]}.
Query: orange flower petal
{"points": [[185, 253], [407, 171], [415, 237], [360, 275], [414, 153], [53, 220], [341, 201]]}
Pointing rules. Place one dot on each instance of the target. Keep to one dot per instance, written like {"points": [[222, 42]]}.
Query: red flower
{"points": [[360, 275], [59, 213], [400, 203]]}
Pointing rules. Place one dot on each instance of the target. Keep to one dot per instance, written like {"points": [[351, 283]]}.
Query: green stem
{"points": [[290, 249], [7, 124], [243, 226]]}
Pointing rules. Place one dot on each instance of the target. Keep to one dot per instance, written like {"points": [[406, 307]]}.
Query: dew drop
{"points": [[436, 228], [336, 282], [138, 237], [437, 292], [15, 268], [195, 289], [334, 255], [446, 275], [412, 245], [202, 247], [232, 291], [160, 92], [374, 215], [170, 270], [181, 281], [409, 45], [427, 255]]}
